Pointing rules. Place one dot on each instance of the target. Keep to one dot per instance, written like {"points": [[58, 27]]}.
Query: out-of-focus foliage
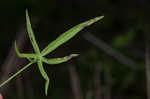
{"points": [[123, 39]]}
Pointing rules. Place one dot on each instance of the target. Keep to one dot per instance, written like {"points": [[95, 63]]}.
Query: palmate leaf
{"points": [[38, 57], [68, 35]]}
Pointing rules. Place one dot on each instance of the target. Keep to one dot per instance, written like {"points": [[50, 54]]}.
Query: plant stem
{"points": [[14, 75]]}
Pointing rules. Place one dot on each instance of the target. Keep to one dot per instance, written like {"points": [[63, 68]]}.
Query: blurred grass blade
{"points": [[31, 35], [68, 35]]}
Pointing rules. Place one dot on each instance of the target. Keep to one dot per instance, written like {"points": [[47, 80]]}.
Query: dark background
{"points": [[112, 52]]}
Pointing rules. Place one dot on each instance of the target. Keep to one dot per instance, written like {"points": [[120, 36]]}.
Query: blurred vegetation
{"points": [[122, 29]]}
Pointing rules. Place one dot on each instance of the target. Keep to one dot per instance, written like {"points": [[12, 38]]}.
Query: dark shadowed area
{"points": [[114, 60]]}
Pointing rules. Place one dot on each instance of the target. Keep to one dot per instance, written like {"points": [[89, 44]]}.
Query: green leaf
{"points": [[31, 34], [22, 55], [42, 71], [59, 60], [68, 35], [38, 58]]}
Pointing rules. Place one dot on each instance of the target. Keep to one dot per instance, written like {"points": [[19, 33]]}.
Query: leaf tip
{"points": [[26, 11], [91, 21], [27, 14], [16, 49], [15, 45], [74, 55], [71, 56], [95, 20]]}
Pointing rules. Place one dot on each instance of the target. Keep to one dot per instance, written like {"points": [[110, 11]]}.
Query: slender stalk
{"points": [[147, 58], [75, 83], [10, 78], [97, 82]]}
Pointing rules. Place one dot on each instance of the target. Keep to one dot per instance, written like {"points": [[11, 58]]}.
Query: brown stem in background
{"points": [[108, 81], [147, 60], [74, 82], [89, 94], [97, 82], [28, 86], [20, 87], [147, 56], [144, 5]]}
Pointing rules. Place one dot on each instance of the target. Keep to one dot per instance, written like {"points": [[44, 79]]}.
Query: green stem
{"points": [[10, 78]]}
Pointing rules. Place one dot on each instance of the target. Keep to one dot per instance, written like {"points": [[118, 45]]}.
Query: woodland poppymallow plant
{"points": [[39, 56]]}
